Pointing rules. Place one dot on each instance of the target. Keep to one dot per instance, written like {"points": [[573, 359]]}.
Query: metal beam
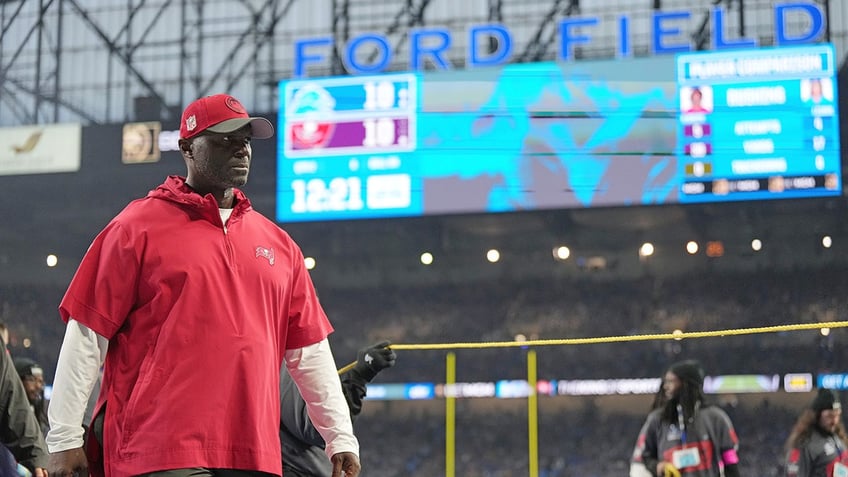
{"points": [[341, 34], [14, 102], [827, 17], [537, 48], [141, 39], [23, 42], [495, 15], [261, 41], [495, 11], [53, 100], [701, 35], [11, 21], [130, 16], [414, 15], [228, 58], [117, 53], [57, 58]]}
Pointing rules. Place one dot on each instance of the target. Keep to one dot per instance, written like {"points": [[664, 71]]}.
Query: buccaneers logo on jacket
{"points": [[266, 253]]}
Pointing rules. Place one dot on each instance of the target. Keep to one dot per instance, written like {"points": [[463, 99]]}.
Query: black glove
{"points": [[373, 359]]}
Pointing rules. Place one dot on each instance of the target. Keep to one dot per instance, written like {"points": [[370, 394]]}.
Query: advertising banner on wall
{"points": [[40, 149]]}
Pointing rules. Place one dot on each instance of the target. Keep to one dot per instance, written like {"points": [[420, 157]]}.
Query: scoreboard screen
{"points": [[712, 126], [758, 124]]}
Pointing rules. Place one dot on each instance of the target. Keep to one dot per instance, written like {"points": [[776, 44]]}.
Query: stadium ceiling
{"points": [[101, 62]]}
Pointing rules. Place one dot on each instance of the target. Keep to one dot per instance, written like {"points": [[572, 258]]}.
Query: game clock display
{"points": [[701, 127]]}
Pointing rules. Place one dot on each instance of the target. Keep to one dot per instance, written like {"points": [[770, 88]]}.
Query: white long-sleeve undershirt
{"points": [[77, 371], [313, 370]]}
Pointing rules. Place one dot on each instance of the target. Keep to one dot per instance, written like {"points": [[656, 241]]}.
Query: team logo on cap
{"points": [[191, 123], [235, 105]]}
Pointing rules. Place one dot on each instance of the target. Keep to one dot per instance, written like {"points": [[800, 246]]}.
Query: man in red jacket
{"points": [[193, 301]]}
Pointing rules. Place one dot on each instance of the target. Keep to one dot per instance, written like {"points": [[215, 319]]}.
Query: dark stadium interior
{"points": [[373, 285]]}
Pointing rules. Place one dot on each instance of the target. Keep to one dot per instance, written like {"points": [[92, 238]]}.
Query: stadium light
{"points": [[309, 262], [427, 258], [562, 252], [827, 241], [692, 247], [493, 255]]}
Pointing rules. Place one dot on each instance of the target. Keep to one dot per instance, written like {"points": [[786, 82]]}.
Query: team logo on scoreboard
{"points": [[312, 103]]}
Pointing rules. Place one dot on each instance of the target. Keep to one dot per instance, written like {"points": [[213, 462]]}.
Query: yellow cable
{"points": [[621, 339], [347, 367], [613, 339]]}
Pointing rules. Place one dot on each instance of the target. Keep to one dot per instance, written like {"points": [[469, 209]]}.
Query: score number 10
{"points": [[316, 195], [382, 96]]}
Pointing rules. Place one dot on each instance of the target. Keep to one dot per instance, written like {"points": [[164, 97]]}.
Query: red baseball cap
{"points": [[221, 113]]}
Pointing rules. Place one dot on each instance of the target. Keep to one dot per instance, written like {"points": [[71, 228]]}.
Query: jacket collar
{"points": [[175, 189]]}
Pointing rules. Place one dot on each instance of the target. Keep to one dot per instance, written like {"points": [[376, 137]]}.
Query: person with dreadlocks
{"points": [[684, 436], [816, 447]]}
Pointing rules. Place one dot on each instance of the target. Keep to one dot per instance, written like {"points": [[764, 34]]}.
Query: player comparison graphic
{"points": [[758, 124], [707, 126]]}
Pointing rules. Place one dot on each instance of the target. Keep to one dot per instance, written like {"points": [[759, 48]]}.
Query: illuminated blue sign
{"points": [[833, 381], [432, 44]]}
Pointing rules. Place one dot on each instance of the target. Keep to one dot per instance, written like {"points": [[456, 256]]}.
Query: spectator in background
{"points": [[816, 447], [193, 301], [32, 376], [4, 334], [302, 445], [686, 436], [19, 430]]}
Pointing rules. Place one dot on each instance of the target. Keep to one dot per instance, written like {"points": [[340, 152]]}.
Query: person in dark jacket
{"points": [[19, 429], [302, 445], [817, 445], [32, 376], [684, 436]]}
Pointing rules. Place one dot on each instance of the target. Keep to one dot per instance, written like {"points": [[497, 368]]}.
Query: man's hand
{"points": [[67, 463], [345, 464], [373, 359]]}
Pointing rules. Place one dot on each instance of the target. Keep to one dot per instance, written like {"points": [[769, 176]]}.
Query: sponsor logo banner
{"points": [[145, 142], [40, 149]]}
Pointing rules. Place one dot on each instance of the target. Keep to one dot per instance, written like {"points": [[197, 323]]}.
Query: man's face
{"points": [[220, 161], [34, 387], [671, 385], [829, 419]]}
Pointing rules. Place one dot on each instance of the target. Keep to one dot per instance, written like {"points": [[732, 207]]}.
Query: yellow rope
{"points": [[614, 339], [619, 339]]}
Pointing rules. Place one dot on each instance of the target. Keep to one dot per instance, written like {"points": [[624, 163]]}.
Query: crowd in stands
{"points": [[583, 441]]}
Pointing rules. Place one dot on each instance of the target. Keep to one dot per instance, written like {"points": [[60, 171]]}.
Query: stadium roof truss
{"points": [[98, 61]]}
